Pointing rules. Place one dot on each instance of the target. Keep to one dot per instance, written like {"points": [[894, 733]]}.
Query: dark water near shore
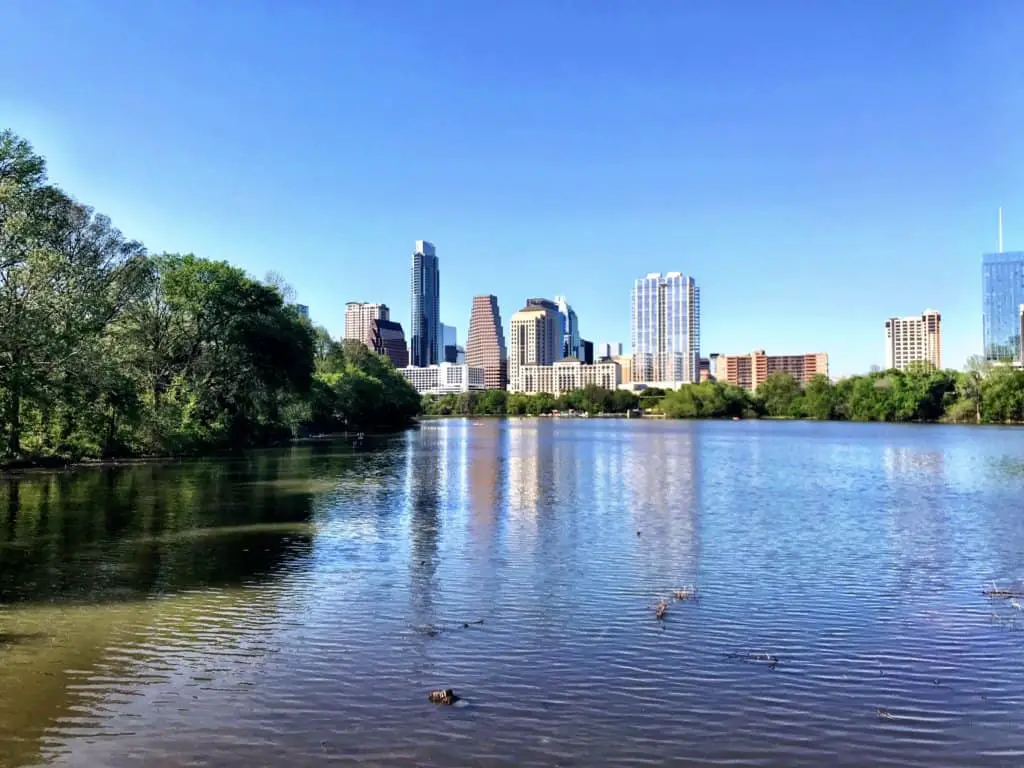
{"points": [[295, 607]]}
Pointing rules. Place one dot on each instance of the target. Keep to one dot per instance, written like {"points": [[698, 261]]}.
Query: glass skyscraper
{"points": [[572, 346], [425, 345], [1002, 287], [666, 328]]}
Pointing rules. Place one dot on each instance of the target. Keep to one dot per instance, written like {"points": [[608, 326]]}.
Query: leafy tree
{"points": [[780, 394]]}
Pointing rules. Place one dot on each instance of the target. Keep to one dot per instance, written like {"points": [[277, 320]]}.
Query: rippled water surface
{"points": [[294, 608]]}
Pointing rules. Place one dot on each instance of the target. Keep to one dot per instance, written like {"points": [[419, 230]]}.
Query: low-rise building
{"points": [[566, 376], [443, 379], [749, 371]]}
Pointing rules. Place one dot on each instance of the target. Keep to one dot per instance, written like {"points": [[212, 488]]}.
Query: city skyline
{"points": [[812, 175]]}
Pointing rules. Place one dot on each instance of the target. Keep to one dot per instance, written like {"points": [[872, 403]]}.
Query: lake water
{"points": [[294, 608]]}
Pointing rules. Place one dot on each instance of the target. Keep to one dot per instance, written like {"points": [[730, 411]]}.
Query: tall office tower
{"points": [[359, 317], [553, 306], [485, 347], [666, 328], [586, 352], [608, 349], [425, 347], [915, 339], [449, 344], [571, 342], [387, 338], [536, 339], [1002, 286]]}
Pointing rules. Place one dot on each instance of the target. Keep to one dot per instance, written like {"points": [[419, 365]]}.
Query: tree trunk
{"points": [[14, 424]]}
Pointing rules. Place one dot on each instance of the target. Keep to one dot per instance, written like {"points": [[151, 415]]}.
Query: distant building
{"points": [[587, 348], [572, 344], [749, 371], [359, 315], [460, 355], [606, 350], [705, 370], [666, 328], [914, 339], [387, 338], [485, 344], [425, 346], [626, 365], [446, 378], [565, 376], [1002, 293], [536, 338], [303, 310], [449, 343]]}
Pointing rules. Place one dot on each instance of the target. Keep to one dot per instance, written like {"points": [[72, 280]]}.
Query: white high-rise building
{"points": [[914, 339], [535, 339], [666, 329], [359, 317]]}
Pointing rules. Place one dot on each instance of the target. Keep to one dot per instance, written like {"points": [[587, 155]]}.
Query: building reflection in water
{"points": [[663, 478], [486, 452]]}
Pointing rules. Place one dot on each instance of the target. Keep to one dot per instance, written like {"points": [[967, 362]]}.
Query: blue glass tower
{"points": [[426, 344], [1002, 293]]}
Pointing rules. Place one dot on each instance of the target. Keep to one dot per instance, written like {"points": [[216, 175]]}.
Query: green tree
{"points": [[780, 393]]}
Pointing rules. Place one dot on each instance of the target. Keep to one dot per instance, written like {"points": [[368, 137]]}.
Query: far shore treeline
{"points": [[981, 394], [109, 351]]}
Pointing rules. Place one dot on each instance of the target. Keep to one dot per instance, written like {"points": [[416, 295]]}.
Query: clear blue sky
{"points": [[816, 166]]}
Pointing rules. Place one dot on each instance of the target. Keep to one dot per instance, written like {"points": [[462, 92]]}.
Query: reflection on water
{"points": [[294, 607]]}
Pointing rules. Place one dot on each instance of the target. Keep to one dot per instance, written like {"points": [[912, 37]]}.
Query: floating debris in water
{"points": [[767, 658], [445, 696], [433, 630], [686, 593], [1003, 594], [883, 714], [660, 610]]}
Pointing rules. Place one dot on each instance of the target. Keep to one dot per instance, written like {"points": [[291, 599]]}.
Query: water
{"points": [[295, 607]]}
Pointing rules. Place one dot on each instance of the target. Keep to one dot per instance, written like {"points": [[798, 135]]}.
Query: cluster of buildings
{"points": [[546, 353]]}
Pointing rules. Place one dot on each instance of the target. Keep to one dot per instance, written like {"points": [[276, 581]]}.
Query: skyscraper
{"points": [[666, 328], [359, 317], [609, 349], [485, 347], [449, 344], [387, 338], [536, 338], [425, 346], [571, 342], [1002, 286], [915, 339]]}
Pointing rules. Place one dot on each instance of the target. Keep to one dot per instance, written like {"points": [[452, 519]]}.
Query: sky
{"points": [[817, 167]]}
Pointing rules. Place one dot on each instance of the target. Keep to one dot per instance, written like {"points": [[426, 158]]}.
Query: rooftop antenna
{"points": [[1000, 230]]}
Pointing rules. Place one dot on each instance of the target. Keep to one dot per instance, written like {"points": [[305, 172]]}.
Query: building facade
{"points": [[485, 346], [1002, 287], [536, 339], [566, 376], [425, 346], [572, 344], [587, 352], [666, 328], [359, 317], [607, 350], [444, 379], [914, 339], [449, 344], [625, 366], [749, 371], [387, 338]]}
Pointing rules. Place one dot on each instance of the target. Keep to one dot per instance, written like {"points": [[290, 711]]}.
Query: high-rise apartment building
{"points": [[536, 338], [572, 344], [425, 346], [359, 317], [666, 328], [485, 347], [607, 350], [1002, 286], [387, 338], [914, 339], [750, 371]]}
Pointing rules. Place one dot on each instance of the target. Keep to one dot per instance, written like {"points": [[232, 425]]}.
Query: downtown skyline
{"points": [[813, 176]]}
